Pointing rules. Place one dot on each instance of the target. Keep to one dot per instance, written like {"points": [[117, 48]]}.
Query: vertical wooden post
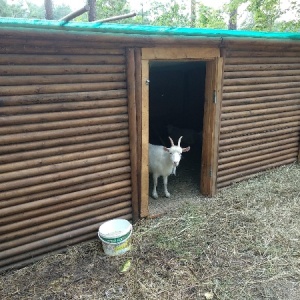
{"points": [[211, 126], [138, 101], [145, 140], [130, 67]]}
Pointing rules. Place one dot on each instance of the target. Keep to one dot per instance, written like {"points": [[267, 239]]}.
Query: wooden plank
{"points": [[180, 53], [56, 79], [130, 66], [241, 175], [138, 101], [144, 210], [260, 80], [211, 127], [261, 67]]}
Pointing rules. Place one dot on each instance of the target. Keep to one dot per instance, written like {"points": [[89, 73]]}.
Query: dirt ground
{"points": [[242, 244]]}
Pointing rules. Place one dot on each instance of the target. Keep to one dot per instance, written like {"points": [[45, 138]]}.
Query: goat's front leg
{"points": [[154, 192], [166, 186]]}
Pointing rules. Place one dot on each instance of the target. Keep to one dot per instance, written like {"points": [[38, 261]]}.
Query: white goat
{"points": [[163, 162]]}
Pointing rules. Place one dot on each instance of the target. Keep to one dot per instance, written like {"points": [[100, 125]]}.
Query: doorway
{"points": [[175, 97]]}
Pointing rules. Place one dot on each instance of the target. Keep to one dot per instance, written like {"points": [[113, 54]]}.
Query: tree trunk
{"points": [[232, 25], [92, 11], [48, 9], [193, 13]]}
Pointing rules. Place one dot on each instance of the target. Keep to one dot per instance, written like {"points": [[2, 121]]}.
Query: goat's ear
{"points": [[166, 149], [186, 149]]}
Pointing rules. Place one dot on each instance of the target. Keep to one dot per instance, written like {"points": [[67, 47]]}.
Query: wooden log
{"points": [[24, 46], [245, 144], [27, 197], [254, 42], [138, 101], [260, 93], [22, 182], [212, 113], [74, 238], [72, 208], [130, 66], [261, 67], [124, 39], [42, 59], [85, 182], [75, 14], [254, 53], [256, 137], [42, 233], [232, 131], [31, 257], [60, 88], [56, 219], [265, 119], [57, 116], [259, 80], [57, 70], [31, 168], [260, 86], [38, 135], [55, 79], [261, 60], [255, 172], [245, 101], [68, 184], [255, 151], [258, 112], [231, 155], [267, 73], [251, 162], [248, 107], [60, 98], [59, 107], [74, 135], [80, 228], [90, 143], [254, 169], [105, 185]]}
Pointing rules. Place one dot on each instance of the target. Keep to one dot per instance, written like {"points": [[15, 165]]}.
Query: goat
{"points": [[163, 162]]}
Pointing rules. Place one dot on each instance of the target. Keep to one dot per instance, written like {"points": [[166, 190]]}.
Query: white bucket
{"points": [[115, 236]]}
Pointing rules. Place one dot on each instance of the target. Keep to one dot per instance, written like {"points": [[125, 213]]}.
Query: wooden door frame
{"points": [[211, 121]]}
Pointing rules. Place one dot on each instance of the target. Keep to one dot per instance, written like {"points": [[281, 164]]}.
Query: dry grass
{"points": [[242, 244]]}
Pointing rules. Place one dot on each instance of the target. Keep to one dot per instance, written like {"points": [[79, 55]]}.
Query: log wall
{"points": [[260, 119], [64, 152]]}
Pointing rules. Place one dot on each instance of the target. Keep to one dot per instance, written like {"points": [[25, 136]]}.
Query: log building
{"points": [[80, 101]]}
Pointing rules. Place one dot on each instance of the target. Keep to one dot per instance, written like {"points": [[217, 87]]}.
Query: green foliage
{"points": [[111, 8], [173, 14], [61, 11], [31, 10], [208, 17]]}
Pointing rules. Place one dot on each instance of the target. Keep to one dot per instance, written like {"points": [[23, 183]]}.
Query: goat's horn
{"points": [[172, 143], [179, 141]]}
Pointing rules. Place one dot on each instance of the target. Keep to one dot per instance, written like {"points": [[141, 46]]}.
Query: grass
{"points": [[242, 244]]}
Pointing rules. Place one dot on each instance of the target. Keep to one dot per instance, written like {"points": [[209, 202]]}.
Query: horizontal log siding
{"points": [[260, 120], [64, 151]]}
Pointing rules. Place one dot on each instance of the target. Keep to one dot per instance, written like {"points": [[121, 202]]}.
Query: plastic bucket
{"points": [[115, 236]]}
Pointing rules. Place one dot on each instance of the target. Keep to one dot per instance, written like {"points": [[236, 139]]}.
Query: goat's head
{"points": [[175, 151]]}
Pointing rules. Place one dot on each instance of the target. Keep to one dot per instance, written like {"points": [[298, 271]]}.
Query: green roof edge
{"points": [[114, 28]]}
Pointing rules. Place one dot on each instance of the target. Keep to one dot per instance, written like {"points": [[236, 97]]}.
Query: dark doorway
{"points": [[176, 105]]}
